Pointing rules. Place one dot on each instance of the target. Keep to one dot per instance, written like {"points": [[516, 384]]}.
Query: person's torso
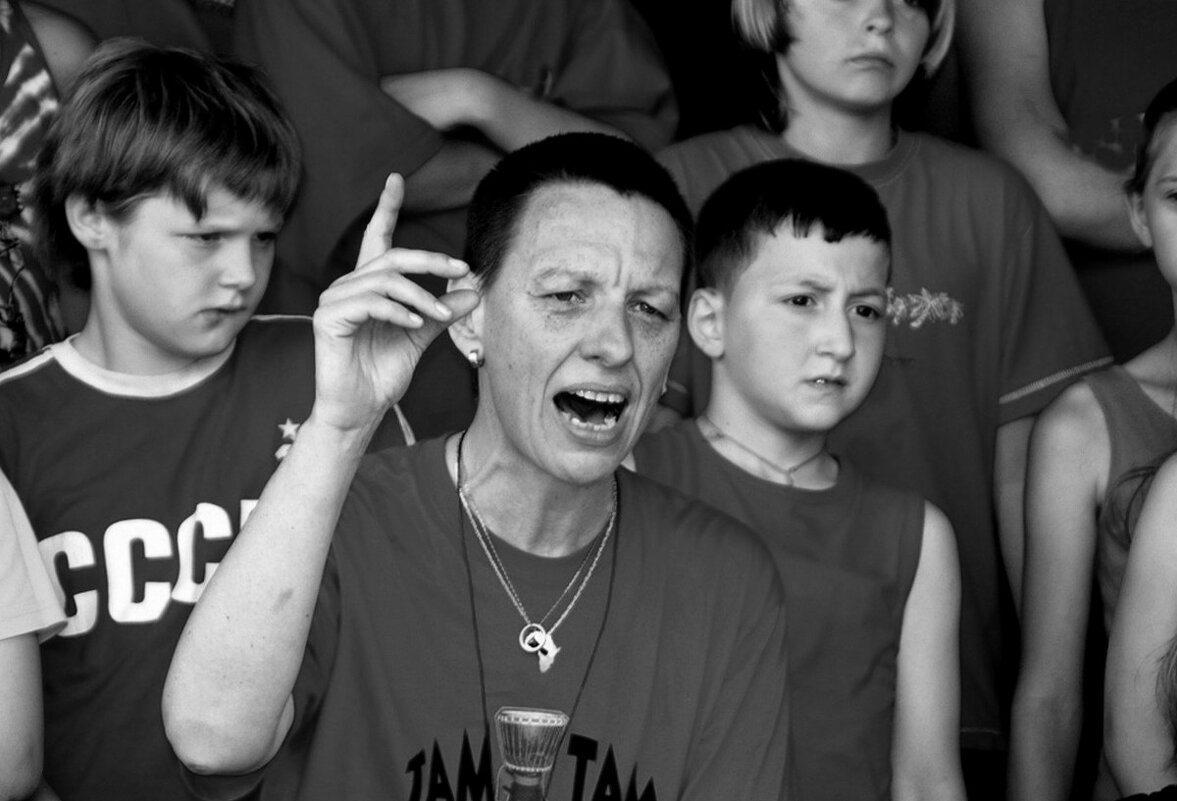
{"points": [[134, 500]]}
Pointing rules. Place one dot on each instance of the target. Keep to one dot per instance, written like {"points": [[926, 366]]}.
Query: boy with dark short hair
{"points": [[794, 262], [137, 448]]}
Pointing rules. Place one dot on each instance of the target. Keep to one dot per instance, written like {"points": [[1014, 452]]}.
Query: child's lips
{"points": [[828, 381], [224, 312], [872, 60]]}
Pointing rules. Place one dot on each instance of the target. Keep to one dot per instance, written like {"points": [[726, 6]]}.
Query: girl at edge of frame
{"points": [[1140, 704], [1092, 454]]}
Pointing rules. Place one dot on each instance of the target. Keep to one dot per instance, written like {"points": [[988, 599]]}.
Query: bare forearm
{"points": [[508, 116], [20, 716], [1044, 742], [1004, 52], [447, 180], [925, 754], [1085, 199], [512, 118], [226, 701]]}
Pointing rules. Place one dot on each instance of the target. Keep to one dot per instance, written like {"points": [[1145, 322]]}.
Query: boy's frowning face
{"points": [[803, 329], [170, 289]]}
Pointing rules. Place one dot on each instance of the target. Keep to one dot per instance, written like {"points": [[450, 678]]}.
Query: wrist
{"points": [[323, 431]]}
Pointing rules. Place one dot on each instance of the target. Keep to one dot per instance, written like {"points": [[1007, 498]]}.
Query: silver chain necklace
{"points": [[535, 637], [714, 432]]}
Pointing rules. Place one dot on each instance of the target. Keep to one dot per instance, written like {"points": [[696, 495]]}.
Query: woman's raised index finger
{"points": [[378, 234]]}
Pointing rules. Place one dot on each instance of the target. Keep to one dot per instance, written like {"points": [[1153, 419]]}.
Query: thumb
{"points": [[460, 303]]}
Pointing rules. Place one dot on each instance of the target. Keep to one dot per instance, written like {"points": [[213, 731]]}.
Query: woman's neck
{"points": [[523, 505]]}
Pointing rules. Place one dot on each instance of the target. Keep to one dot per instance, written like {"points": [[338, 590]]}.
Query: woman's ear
{"points": [[89, 222], [705, 321], [466, 332], [1139, 219]]}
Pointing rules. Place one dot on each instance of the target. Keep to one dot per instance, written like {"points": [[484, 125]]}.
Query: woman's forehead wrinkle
{"points": [[583, 259]]}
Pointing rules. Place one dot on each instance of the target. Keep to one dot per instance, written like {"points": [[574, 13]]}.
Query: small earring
{"points": [[474, 357], [665, 386]]}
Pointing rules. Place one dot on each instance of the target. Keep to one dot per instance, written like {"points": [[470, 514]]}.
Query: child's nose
{"points": [[836, 336], [239, 268], [880, 16]]}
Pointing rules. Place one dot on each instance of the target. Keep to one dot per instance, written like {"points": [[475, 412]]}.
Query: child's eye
{"points": [[868, 312], [205, 237], [804, 301], [266, 237]]}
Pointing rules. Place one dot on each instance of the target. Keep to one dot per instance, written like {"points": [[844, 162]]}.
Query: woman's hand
{"points": [[373, 324]]}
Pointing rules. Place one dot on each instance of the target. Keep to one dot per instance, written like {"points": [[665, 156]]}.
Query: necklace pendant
{"points": [[532, 637], [535, 639], [547, 654]]}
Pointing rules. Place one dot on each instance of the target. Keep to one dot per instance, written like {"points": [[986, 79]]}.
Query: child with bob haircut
{"points": [[986, 320], [136, 448], [794, 259]]}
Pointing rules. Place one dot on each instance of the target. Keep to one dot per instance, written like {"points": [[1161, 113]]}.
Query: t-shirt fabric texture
{"points": [[987, 325], [847, 558], [135, 487], [672, 663]]}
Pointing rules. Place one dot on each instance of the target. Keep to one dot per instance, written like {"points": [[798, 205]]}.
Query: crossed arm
{"points": [[507, 116], [1006, 57]]}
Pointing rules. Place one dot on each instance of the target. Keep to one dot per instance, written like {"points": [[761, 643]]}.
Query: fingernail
{"points": [[459, 263], [415, 319], [442, 309]]}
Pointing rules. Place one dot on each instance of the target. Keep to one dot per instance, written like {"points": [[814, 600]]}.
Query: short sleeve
{"points": [[1049, 336], [28, 600]]}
